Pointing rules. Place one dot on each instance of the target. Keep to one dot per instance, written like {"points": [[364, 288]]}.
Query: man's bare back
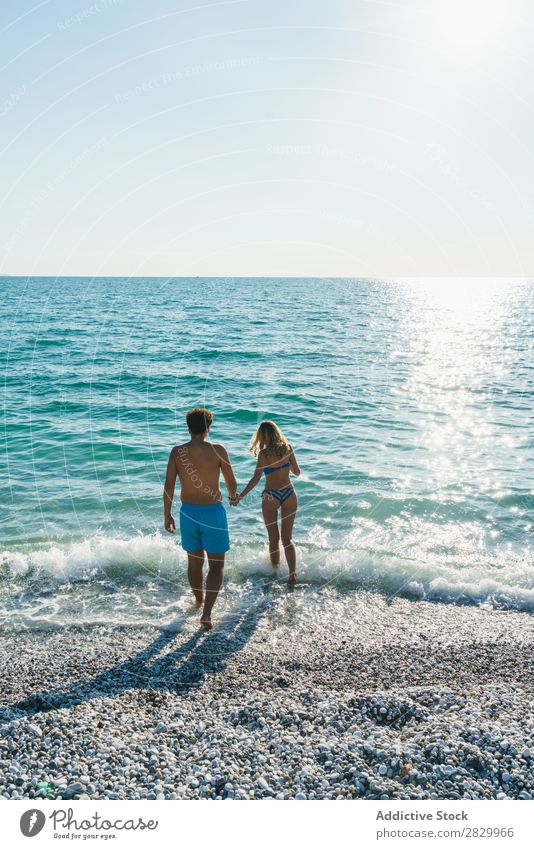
{"points": [[197, 464]]}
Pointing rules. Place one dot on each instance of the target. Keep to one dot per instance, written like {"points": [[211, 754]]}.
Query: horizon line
{"points": [[385, 277]]}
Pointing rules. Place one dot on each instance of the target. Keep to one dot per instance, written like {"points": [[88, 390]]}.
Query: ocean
{"points": [[409, 404]]}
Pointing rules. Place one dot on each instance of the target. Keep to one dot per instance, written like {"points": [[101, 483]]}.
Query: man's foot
{"points": [[292, 578], [199, 597], [205, 621]]}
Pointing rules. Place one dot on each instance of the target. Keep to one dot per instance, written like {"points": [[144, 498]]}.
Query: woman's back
{"points": [[275, 468], [275, 459]]}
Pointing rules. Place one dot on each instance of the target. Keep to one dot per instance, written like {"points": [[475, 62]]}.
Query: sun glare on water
{"points": [[455, 342]]}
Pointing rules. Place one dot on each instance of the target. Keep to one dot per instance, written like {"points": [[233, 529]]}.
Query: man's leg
{"points": [[213, 585], [195, 562]]}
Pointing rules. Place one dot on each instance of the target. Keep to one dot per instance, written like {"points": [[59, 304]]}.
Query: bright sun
{"points": [[470, 24]]}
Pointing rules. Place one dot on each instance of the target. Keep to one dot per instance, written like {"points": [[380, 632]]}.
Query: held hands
{"points": [[170, 525], [234, 499]]}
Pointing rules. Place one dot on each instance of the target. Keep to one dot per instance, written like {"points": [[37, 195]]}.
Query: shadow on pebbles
{"points": [[376, 699]]}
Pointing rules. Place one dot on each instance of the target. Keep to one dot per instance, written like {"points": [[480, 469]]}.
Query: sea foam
{"points": [[158, 560]]}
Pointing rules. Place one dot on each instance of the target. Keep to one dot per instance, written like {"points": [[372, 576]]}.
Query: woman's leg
{"points": [[289, 511], [269, 507]]}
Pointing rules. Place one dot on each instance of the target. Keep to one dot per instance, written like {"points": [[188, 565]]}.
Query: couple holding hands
{"points": [[203, 523]]}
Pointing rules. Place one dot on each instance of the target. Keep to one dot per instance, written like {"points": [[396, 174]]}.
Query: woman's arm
{"points": [[294, 467], [256, 477]]}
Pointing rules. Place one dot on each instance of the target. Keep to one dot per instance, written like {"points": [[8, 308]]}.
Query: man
{"points": [[203, 522]]}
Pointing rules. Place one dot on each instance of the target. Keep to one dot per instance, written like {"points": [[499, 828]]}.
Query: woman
{"points": [[276, 460]]}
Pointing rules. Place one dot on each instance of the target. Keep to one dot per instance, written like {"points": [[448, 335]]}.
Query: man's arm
{"points": [[168, 493], [227, 471]]}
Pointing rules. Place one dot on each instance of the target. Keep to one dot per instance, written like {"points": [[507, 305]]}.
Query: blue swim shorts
{"points": [[204, 526]]}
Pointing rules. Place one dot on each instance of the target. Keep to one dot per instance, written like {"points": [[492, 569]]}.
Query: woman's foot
{"points": [[199, 598], [206, 623], [292, 578]]}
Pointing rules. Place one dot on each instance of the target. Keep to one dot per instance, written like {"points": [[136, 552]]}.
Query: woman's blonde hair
{"points": [[270, 437]]}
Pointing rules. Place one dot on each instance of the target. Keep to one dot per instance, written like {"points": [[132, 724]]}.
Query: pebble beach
{"points": [[350, 697]]}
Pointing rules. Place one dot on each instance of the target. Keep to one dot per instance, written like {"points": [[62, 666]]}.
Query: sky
{"points": [[252, 138]]}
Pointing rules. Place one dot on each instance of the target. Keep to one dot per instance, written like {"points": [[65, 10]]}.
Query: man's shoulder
{"points": [[218, 447]]}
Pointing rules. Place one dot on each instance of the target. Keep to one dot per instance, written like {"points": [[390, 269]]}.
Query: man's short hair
{"points": [[199, 420]]}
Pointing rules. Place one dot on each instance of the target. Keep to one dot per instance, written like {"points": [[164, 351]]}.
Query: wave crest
{"points": [[158, 559]]}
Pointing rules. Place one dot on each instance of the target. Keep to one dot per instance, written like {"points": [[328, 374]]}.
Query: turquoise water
{"points": [[409, 404]]}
